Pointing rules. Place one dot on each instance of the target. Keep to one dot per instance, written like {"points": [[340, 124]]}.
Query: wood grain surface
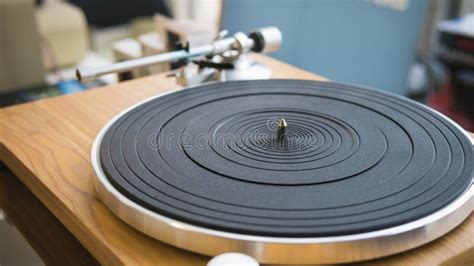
{"points": [[47, 145]]}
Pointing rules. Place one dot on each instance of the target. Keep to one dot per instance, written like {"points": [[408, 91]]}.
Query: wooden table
{"points": [[47, 145]]}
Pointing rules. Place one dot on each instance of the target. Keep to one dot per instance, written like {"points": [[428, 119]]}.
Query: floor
{"points": [[14, 249]]}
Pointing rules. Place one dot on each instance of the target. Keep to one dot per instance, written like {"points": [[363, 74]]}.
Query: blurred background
{"points": [[423, 49]]}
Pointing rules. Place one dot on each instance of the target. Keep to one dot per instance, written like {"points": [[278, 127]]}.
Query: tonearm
{"points": [[223, 59]]}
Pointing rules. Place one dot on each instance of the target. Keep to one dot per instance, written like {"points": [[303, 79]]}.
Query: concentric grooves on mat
{"points": [[352, 160]]}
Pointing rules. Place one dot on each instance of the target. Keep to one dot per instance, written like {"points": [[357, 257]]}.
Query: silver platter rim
{"points": [[265, 249]]}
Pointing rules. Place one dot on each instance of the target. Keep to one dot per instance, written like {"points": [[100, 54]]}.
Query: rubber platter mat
{"points": [[352, 160]]}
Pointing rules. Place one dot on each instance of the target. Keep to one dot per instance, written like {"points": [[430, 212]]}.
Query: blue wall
{"points": [[352, 41]]}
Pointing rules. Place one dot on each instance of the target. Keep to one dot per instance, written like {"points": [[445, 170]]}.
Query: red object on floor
{"points": [[443, 102]]}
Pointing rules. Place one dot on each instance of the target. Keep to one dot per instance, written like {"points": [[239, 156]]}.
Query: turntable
{"points": [[277, 171], [286, 171]]}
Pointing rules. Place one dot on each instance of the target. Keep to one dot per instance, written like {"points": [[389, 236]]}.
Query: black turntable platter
{"points": [[351, 160]]}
